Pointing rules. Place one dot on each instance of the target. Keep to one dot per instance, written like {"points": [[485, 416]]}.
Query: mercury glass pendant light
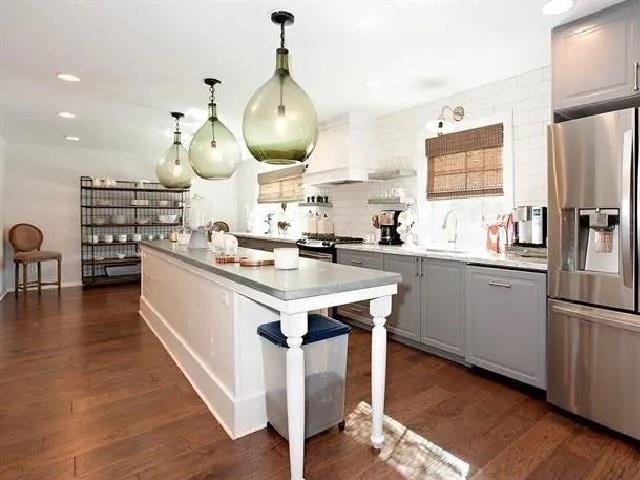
{"points": [[174, 170], [280, 125], [214, 152]]}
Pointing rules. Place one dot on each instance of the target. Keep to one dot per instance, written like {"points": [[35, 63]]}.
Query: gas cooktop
{"points": [[318, 240]]}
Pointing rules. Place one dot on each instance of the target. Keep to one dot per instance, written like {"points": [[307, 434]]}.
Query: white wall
{"points": [[42, 186], [3, 151]]}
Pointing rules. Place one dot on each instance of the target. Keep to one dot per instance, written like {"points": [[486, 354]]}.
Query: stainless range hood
{"points": [[345, 152], [336, 176]]}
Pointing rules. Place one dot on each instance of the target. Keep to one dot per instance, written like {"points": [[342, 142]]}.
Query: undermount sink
{"points": [[446, 250]]}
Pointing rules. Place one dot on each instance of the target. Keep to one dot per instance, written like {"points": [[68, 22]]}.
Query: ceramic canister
{"points": [[285, 258]]}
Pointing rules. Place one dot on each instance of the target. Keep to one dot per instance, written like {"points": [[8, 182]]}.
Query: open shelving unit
{"points": [[105, 263]]}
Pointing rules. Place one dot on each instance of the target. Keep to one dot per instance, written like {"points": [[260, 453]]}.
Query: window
{"points": [[283, 185], [465, 164]]}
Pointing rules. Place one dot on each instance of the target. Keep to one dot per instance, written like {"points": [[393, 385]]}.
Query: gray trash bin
{"points": [[325, 353]]}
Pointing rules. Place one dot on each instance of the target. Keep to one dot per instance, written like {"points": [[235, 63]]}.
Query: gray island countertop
{"points": [[311, 279]]}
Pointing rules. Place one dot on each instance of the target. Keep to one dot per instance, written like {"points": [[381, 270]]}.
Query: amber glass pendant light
{"points": [[214, 152], [174, 170], [280, 125]]}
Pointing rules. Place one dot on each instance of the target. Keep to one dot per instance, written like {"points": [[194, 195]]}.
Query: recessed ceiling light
{"points": [[68, 77], [557, 7], [66, 115], [71, 138]]}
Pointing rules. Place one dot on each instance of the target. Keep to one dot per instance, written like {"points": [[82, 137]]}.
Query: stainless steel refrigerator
{"points": [[593, 321]]}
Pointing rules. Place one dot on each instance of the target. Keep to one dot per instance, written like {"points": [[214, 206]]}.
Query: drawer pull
{"points": [[356, 262], [636, 67], [493, 283]]}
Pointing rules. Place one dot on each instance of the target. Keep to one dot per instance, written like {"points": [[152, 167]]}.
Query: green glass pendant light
{"points": [[174, 170], [280, 125], [214, 152]]}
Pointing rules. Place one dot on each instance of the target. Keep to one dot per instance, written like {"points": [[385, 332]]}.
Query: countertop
{"points": [[311, 279], [471, 257]]}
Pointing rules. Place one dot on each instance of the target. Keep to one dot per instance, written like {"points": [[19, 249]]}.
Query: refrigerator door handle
{"points": [[618, 320], [626, 218]]}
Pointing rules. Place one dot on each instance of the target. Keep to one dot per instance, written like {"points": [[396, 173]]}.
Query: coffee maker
{"points": [[387, 222], [530, 226]]}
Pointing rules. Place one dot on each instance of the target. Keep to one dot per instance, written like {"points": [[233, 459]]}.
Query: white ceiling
{"points": [[139, 59]]}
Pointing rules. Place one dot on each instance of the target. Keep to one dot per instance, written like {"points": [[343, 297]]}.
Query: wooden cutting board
{"points": [[229, 259], [255, 262]]}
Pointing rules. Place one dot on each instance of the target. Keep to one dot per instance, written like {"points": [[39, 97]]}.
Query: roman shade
{"points": [[283, 185], [465, 164]]}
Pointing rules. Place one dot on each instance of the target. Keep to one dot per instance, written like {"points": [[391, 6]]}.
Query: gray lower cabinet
{"points": [[595, 58], [358, 311], [405, 315], [356, 258], [443, 305], [505, 322]]}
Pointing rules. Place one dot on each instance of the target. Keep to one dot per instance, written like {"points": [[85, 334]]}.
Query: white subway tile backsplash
{"points": [[399, 134]]}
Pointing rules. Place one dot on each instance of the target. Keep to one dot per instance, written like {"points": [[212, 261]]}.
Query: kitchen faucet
{"points": [[452, 230]]}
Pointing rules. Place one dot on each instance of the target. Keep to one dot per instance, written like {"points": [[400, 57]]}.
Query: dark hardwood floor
{"points": [[86, 391]]}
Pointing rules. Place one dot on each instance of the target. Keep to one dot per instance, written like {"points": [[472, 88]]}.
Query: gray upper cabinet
{"points": [[405, 315], [595, 59], [505, 322], [443, 305]]}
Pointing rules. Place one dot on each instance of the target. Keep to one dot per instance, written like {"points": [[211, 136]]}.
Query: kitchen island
{"points": [[206, 315]]}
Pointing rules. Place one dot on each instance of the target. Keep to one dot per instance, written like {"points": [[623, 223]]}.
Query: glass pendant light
{"points": [[280, 125], [214, 152], [174, 170]]}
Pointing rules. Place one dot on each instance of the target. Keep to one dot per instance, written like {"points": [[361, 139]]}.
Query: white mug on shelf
{"points": [[107, 238]]}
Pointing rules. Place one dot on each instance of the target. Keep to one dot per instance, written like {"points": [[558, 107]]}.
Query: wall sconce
{"points": [[442, 125]]}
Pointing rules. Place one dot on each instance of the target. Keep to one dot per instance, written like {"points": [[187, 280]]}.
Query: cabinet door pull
{"points": [[421, 266], [493, 283], [356, 262], [417, 260], [636, 67]]}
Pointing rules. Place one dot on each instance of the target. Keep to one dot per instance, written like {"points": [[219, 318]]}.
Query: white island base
{"points": [[206, 316]]}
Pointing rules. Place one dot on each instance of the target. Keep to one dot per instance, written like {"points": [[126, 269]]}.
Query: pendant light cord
{"points": [[176, 141], [212, 102], [282, 35], [281, 107]]}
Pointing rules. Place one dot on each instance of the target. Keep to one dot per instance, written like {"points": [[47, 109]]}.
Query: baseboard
{"points": [[3, 294], [230, 412]]}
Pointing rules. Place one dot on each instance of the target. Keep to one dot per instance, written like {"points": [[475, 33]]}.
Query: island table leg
{"points": [[294, 326], [379, 308]]}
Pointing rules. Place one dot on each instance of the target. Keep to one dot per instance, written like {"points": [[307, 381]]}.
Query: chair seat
{"points": [[36, 256]]}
